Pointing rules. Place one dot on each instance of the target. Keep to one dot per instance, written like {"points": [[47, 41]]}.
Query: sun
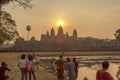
{"points": [[60, 23]]}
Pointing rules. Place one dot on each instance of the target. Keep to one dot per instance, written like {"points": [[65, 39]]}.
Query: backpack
{"points": [[28, 68]]}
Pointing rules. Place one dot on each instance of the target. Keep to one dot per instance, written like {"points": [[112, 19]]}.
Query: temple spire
{"points": [[52, 33], [60, 30], [74, 34]]}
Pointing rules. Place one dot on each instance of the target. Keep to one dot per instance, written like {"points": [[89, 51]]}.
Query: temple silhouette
{"points": [[49, 41], [64, 42]]}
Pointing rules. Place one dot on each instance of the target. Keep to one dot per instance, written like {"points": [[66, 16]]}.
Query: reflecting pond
{"points": [[90, 72], [89, 65]]}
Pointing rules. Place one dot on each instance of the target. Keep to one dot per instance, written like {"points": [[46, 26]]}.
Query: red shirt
{"points": [[2, 72], [103, 75]]}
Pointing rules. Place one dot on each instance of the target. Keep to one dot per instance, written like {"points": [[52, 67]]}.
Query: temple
{"points": [[62, 41], [61, 36], [49, 41]]}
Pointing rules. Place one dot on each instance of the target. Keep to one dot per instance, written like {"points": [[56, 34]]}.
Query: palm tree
{"points": [[28, 28]]}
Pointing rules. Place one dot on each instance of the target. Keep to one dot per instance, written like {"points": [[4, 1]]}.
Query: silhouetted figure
{"points": [[66, 71], [32, 64], [60, 68], [22, 67], [3, 69], [37, 60], [71, 69], [103, 74], [76, 68]]}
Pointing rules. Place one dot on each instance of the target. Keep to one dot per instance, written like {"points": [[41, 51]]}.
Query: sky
{"points": [[93, 18]]}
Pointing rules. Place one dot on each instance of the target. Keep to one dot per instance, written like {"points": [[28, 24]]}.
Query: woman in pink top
{"points": [[103, 74]]}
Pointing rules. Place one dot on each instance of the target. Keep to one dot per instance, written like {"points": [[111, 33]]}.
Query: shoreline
{"points": [[43, 74], [86, 53]]}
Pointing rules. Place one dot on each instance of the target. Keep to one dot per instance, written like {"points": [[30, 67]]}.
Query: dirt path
{"points": [[15, 74]]}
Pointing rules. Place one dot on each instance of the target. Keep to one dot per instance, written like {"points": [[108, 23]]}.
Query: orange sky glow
{"points": [[95, 18]]}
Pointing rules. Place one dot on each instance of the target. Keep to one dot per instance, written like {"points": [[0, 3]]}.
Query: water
{"points": [[90, 72], [90, 64]]}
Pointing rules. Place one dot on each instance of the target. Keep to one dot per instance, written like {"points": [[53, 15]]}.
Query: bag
{"points": [[28, 69]]}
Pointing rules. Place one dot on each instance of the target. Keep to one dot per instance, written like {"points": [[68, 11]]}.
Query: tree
{"points": [[1, 40], [8, 31], [23, 3], [117, 34]]}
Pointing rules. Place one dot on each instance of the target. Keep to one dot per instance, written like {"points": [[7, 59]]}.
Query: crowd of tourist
{"points": [[67, 69], [28, 65]]}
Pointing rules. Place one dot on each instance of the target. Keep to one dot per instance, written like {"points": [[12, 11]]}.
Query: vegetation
{"points": [[8, 31], [23, 3], [117, 34], [1, 40]]}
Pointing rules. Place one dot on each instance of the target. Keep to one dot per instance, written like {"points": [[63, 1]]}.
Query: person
{"points": [[76, 68], [60, 68], [22, 67], [66, 72], [71, 69], [37, 60], [103, 74], [55, 66], [50, 65], [32, 64], [3, 69], [34, 55]]}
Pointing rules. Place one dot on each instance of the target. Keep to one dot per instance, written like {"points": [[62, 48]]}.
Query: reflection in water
{"points": [[90, 72], [92, 63]]}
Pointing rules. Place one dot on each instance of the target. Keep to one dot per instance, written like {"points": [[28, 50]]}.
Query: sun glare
{"points": [[60, 23]]}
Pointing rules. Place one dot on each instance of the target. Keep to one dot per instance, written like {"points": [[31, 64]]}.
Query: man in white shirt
{"points": [[37, 60]]}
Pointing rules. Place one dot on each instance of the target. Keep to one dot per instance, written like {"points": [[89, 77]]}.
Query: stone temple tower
{"points": [[52, 33], [47, 34], [74, 34], [60, 31]]}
